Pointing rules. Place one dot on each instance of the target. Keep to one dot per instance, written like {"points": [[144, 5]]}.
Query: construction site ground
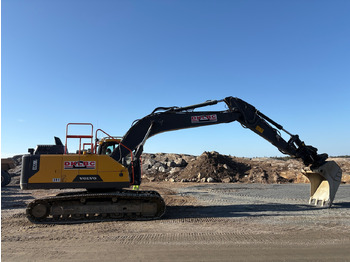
{"points": [[203, 222]]}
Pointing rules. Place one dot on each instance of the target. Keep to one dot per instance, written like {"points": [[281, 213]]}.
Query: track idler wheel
{"points": [[39, 210]]}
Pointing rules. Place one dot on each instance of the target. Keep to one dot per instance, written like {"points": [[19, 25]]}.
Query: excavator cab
{"points": [[106, 145], [324, 183]]}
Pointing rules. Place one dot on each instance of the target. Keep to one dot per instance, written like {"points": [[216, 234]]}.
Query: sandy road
{"points": [[203, 222]]}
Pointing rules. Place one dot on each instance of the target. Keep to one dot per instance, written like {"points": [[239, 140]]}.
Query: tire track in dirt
{"points": [[215, 238]]}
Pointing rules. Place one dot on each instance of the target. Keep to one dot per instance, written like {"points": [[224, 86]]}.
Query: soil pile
{"points": [[214, 167]]}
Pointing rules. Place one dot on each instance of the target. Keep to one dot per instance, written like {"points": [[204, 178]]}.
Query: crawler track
{"points": [[81, 207]]}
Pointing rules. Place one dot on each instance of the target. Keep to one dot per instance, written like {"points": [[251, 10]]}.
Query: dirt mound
{"points": [[214, 167]]}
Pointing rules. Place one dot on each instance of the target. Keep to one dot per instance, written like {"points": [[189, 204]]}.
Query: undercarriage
{"points": [[79, 207]]}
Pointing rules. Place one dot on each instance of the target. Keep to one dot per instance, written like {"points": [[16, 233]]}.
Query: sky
{"points": [[109, 62]]}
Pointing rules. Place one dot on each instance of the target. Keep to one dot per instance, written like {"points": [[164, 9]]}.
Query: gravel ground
{"points": [[203, 222]]}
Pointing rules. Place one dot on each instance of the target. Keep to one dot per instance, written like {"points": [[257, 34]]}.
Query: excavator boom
{"points": [[175, 118]]}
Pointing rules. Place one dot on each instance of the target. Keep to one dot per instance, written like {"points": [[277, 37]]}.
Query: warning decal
{"points": [[204, 118]]}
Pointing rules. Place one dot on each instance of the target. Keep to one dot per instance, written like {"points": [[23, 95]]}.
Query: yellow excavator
{"points": [[105, 168]]}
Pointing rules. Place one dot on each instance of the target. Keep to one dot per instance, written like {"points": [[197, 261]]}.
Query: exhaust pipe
{"points": [[325, 181]]}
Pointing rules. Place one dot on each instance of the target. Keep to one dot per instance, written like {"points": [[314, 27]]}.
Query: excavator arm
{"points": [[259, 123], [324, 181]]}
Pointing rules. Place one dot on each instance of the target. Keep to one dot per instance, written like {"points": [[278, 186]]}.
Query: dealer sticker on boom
{"points": [[79, 164], [204, 118]]}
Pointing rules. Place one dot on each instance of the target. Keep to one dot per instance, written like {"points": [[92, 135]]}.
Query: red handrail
{"points": [[79, 136]]}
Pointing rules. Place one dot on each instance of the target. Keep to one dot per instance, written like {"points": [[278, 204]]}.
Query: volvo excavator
{"points": [[104, 169]]}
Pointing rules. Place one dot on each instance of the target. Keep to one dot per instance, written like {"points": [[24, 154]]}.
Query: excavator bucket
{"points": [[325, 181]]}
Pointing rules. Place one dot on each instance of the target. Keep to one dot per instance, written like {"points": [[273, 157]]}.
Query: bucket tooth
{"points": [[310, 201], [325, 181]]}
